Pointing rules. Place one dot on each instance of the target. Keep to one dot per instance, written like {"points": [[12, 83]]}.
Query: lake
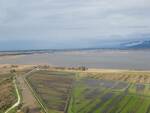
{"points": [[109, 59]]}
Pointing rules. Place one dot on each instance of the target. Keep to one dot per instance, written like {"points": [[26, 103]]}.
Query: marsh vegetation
{"points": [[75, 92]]}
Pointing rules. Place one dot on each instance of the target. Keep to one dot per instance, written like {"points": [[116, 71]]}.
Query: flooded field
{"points": [[65, 92], [53, 89], [114, 59], [104, 96]]}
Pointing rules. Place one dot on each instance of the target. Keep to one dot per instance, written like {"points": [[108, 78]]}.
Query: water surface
{"points": [[114, 59]]}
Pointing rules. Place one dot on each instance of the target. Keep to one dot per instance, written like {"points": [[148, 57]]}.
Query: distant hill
{"points": [[137, 45]]}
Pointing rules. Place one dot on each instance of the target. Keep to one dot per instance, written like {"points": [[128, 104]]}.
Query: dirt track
{"points": [[27, 96]]}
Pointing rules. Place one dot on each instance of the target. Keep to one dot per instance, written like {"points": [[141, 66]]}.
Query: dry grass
{"points": [[128, 76], [7, 95]]}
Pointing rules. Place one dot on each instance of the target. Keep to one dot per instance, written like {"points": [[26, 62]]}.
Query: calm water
{"points": [[96, 59]]}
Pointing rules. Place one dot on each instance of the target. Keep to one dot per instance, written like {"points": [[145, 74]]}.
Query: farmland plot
{"points": [[64, 92], [53, 89], [104, 96]]}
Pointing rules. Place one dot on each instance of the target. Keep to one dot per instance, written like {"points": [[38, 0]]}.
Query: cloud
{"points": [[64, 21]]}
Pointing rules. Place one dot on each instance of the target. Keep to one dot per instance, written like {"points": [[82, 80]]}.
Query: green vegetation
{"points": [[90, 96], [13, 110], [7, 92], [65, 92]]}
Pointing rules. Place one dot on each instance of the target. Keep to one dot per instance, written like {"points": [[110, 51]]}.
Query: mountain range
{"points": [[136, 45]]}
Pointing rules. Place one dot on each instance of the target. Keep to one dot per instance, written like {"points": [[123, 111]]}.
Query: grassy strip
{"points": [[14, 110], [68, 100]]}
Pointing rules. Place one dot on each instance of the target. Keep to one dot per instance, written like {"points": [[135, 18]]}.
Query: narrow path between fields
{"points": [[35, 95], [28, 98], [18, 96]]}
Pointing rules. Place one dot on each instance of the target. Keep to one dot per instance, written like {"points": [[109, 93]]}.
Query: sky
{"points": [[57, 24]]}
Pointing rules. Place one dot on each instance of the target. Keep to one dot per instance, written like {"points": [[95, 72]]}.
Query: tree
{"points": [[12, 70]]}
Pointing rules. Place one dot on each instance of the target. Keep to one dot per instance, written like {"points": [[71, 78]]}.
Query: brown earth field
{"points": [[56, 85]]}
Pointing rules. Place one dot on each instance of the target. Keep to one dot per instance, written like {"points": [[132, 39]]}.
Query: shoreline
{"points": [[24, 66]]}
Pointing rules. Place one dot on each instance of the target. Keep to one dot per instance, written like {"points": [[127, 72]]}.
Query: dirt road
{"points": [[27, 96], [18, 96]]}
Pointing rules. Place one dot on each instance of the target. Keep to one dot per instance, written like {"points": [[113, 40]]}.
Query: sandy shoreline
{"points": [[131, 76], [21, 66]]}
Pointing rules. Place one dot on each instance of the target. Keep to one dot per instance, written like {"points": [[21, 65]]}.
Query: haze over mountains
{"points": [[137, 44]]}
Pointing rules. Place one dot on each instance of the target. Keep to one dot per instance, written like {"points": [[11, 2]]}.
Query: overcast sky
{"points": [[27, 24]]}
